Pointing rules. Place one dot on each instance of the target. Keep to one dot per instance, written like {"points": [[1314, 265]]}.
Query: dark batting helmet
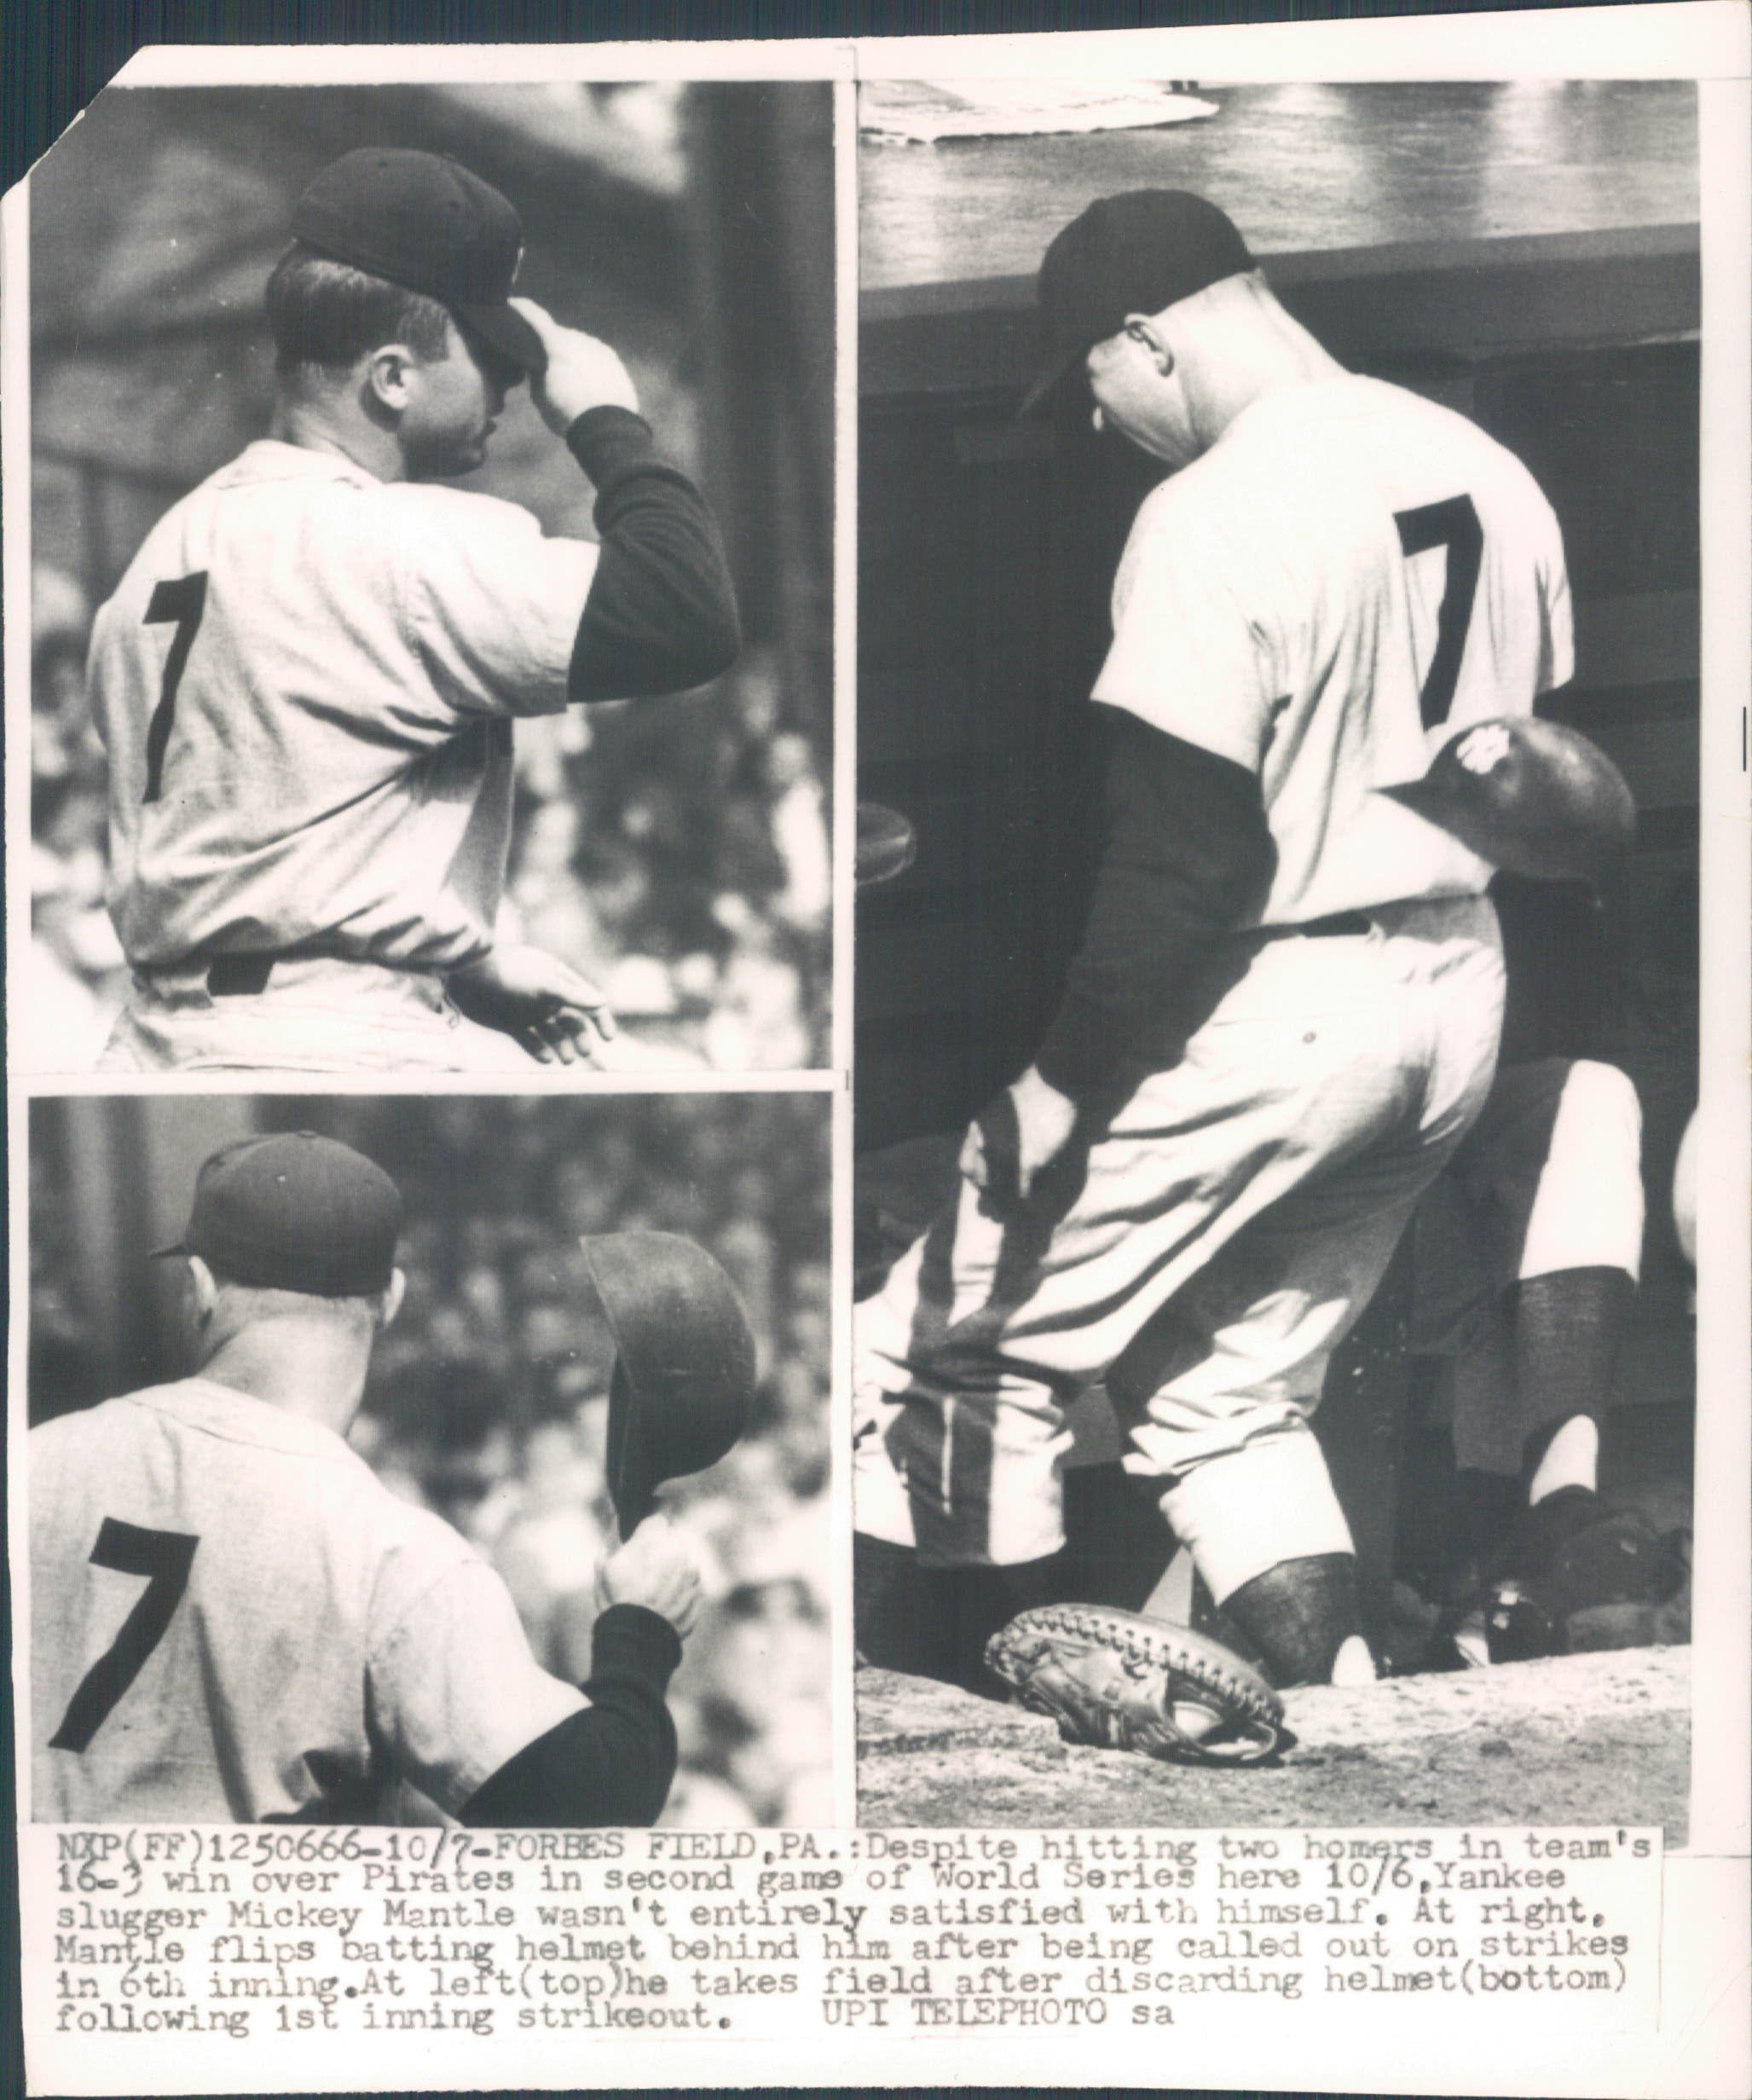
{"points": [[887, 843], [684, 1363], [1533, 797]]}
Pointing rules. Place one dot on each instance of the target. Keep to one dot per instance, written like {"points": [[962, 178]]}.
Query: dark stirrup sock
{"points": [[894, 1626], [1299, 1615], [1567, 1326]]}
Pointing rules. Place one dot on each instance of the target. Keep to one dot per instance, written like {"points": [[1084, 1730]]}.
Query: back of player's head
{"points": [[421, 225], [326, 315], [295, 1212], [1137, 253]]}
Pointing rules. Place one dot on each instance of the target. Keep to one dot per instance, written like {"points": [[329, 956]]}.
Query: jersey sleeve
{"points": [[454, 1691], [494, 604], [1558, 657], [1187, 657]]}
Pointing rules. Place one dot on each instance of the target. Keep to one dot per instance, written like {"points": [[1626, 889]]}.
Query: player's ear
{"points": [[393, 1297], [1145, 330], [203, 1291], [388, 376]]}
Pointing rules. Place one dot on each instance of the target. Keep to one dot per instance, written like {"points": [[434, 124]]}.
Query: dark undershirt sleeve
{"points": [[661, 615], [1188, 857], [610, 1765]]}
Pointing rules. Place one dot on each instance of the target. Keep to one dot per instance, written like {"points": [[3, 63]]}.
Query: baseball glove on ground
{"points": [[1122, 1681]]}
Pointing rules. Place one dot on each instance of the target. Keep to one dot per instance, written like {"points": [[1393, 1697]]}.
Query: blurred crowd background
{"points": [[488, 1397], [677, 850]]}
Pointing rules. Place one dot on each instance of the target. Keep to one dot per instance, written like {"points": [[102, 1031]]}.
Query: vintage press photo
{"points": [[358, 1384], [484, 1225], [1273, 1300], [431, 606]]}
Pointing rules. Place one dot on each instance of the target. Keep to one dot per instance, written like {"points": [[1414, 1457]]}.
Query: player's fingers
{"points": [[573, 1034], [535, 1045], [687, 1612], [579, 994], [538, 317], [590, 1026], [973, 1158]]}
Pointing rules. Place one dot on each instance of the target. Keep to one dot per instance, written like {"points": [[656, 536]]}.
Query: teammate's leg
{"points": [[1557, 1174], [1554, 1171]]}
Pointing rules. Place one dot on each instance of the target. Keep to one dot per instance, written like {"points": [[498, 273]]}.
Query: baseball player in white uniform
{"points": [[233, 1620], [1284, 1016], [308, 679]]}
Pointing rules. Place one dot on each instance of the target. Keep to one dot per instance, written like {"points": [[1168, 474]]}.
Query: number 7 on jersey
{"points": [[1453, 524], [163, 1558], [183, 601]]}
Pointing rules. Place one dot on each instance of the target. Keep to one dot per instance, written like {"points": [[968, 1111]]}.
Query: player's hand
{"points": [[1017, 1138], [545, 1005], [655, 1568], [582, 371]]}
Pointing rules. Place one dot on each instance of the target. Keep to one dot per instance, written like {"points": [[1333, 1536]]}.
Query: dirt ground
{"points": [[1589, 1740]]}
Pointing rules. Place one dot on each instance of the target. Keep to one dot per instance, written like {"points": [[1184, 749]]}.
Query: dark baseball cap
{"points": [[295, 1212], [1134, 253], [424, 221]]}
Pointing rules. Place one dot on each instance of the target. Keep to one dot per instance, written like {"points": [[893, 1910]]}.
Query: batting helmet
{"points": [[887, 843], [1533, 797], [684, 1363]]}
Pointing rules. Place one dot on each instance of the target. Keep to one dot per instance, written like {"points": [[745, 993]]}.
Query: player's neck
{"points": [[337, 427], [308, 1366], [1242, 348]]}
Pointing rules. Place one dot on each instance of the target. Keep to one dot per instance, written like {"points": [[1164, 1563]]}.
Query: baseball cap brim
{"points": [[508, 333], [1061, 368]]}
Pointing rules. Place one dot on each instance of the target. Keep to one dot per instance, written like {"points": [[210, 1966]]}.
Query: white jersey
{"points": [[1348, 576], [233, 1620], [306, 681]]}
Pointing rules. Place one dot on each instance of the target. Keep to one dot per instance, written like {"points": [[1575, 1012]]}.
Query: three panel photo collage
{"points": [[856, 952]]}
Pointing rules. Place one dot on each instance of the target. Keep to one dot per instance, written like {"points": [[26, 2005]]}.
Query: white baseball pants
{"points": [[1232, 1219]]}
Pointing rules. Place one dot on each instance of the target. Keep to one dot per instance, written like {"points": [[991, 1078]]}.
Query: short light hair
{"points": [[324, 315], [249, 1302]]}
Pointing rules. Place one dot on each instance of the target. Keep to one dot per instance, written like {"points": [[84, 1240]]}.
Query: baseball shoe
{"points": [[1577, 1574]]}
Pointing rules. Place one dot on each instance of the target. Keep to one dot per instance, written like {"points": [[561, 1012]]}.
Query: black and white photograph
{"points": [[405, 1461], [877, 1014], [430, 593], [1279, 529]]}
